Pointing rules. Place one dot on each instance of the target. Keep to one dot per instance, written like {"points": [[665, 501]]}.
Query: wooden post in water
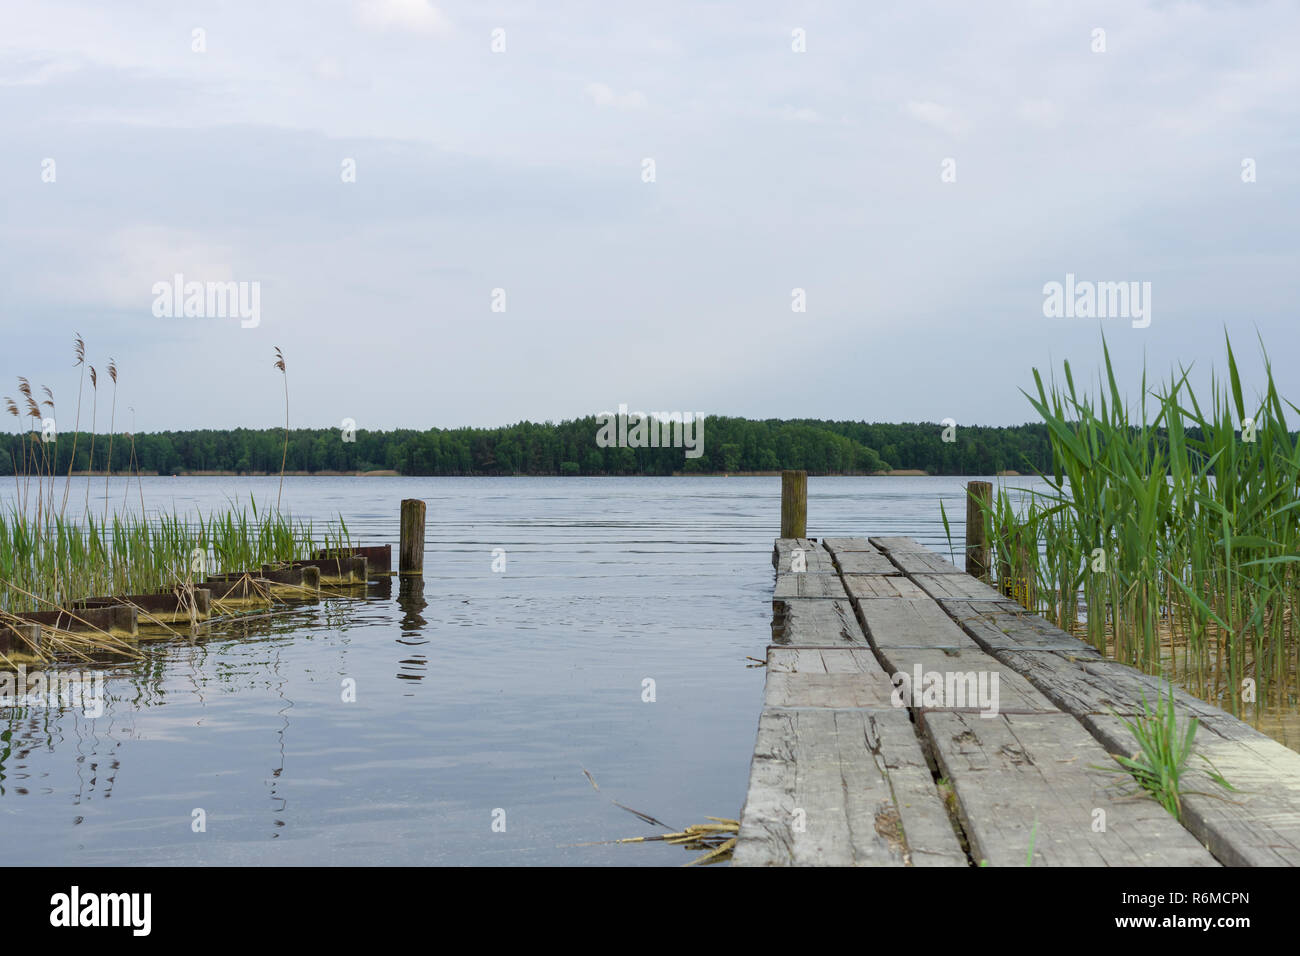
{"points": [[411, 551], [794, 504], [979, 498]]}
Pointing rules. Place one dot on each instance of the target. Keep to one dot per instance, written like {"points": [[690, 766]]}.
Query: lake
{"points": [[487, 692]]}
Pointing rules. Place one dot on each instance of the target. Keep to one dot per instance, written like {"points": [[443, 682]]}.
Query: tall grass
{"points": [[49, 560], [1169, 533], [54, 562]]}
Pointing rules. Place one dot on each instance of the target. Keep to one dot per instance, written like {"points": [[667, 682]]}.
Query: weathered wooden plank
{"points": [[1028, 781], [910, 622], [820, 793], [1258, 824], [968, 680], [785, 545], [1053, 661], [863, 562], [838, 545], [960, 587], [923, 562], [871, 586], [1005, 625], [808, 585], [817, 622], [892, 544], [928, 829], [838, 678], [815, 561]]}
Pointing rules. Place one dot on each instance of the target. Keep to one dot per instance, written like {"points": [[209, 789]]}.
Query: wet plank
{"points": [[1027, 783], [838, 678], [822, 793], [816, 622]]}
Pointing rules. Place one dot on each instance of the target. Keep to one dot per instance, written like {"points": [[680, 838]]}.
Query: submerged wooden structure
{"points": [[852, 767], [216, 597]]}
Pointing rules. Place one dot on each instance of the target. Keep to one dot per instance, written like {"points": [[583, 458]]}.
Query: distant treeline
{"points": [[567, 448]]}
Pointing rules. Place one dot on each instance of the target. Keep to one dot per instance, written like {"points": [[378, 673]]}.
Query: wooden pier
{"points": [[848, 770]]}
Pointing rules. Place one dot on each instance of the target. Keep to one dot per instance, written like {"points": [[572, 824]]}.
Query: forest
{"points": [[730, 445]]}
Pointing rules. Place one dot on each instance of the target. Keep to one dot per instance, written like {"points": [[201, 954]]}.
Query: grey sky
{"points": [[522, 170]]}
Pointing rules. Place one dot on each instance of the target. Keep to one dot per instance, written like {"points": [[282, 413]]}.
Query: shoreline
{"points": [[390, 473]]}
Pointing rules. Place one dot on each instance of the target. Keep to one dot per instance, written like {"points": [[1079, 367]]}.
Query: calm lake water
{"points": [[486, 691]]}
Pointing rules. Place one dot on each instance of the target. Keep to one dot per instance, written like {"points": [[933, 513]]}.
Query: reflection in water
{"points": [[410, 598], [609, 581]]}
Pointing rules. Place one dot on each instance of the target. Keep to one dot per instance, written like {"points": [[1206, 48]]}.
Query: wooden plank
{"points": [[841, 678], [1258, 827], [871, 586], [1259, 824], [1008, 692], [928, 829], [863, 562], [786, 545], [808, 586], [817, 622], [821, 793], [838, 545], [961, 587], [910, 622], [923, 562], [1005, 625], [892, 544], [1025, 781], [815, 561]]}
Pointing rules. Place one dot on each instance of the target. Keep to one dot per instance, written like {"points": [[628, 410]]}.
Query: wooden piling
{"points": [[411, 551], [979, 498], [794, 504], [17, 638]]}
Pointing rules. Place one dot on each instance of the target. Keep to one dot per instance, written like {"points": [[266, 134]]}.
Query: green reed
{"points": [[1169, 533], [52, 561]]}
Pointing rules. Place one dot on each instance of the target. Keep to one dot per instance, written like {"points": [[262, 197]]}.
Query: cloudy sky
{"points": [[794, 146]]}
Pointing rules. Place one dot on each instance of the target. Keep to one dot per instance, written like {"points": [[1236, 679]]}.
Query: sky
{"points": [[462, 213]]}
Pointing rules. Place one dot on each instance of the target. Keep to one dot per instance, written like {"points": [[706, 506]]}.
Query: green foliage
{"points": [[1176, 524], [51, 562], [730, 445], [1159, 765]]}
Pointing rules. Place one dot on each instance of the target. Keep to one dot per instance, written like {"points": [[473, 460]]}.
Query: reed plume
{"points": [[79, 350], [112, 423], [94, 411], [279, 363]]}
